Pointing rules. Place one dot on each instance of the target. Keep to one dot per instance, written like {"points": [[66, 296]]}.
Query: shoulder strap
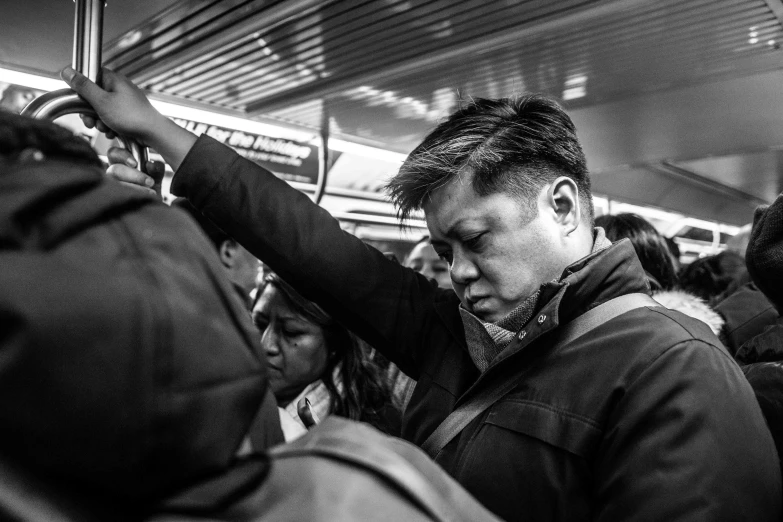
{"points": [[465, 413]]}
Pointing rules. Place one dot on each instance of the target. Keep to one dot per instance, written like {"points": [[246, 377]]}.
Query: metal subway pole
{"points": [[87, 42], [323, 155], [88, 38]]}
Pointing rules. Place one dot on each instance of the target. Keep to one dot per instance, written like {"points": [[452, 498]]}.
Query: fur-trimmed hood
{"points": [[692, 306]]}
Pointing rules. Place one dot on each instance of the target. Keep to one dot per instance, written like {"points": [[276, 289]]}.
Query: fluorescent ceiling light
{"points": [[33, 81]]}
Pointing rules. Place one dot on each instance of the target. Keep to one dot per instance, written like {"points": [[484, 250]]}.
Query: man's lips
{"points": [[473, 299], [478, 304]]}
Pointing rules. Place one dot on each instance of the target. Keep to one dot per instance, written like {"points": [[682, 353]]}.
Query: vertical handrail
{"points": [[88, 38], [87, 42], [323, 155]]}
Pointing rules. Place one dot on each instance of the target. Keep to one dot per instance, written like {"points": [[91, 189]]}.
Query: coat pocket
{"points": [[562, 429]]}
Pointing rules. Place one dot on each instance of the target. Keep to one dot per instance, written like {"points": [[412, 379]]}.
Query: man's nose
{"points": [[463, 270]]}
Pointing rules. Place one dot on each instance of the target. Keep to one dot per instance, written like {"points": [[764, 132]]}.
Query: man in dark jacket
{"points": [[645, 418]]}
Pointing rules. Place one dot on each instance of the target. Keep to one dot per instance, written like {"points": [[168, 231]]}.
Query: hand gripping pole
{"points": [[87, 42]]}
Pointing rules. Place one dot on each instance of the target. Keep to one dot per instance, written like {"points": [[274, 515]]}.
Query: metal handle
{"points": [[55, 104], [87, 41]]}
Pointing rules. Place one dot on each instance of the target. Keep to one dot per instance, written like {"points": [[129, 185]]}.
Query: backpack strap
{"points": [[468, 411]]}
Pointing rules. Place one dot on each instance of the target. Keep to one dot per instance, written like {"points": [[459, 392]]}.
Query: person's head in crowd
{"points": [[649, 244], [131, 376], [764, 255], [506, 194], [304, 345], [423, 259], [14, 98], [241, 266], [711, 277]]}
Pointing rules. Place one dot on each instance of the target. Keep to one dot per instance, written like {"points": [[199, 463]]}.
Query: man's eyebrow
{"points": [[454, 229]]}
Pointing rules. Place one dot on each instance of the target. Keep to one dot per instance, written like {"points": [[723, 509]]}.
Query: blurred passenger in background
{"points": [[658, 263], [713, 278], [674, 248], [423, 259], [762, 356], [314, 359], [649, 244], [241, 266]]}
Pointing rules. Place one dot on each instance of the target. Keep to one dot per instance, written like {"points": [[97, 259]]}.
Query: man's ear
{"points": [[564, 198], [228, 253]]}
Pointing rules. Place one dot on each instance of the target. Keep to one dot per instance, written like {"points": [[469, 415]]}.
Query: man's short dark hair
{"points": [[213, 232], [513, 145]]}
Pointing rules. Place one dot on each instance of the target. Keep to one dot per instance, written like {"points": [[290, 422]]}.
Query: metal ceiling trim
{"points": [[619, 60], [276, 15], [717, 58], [160, 39], [499, 39], [189, 69], [164, 21], [214, 75], [255, 83], [311, 53]]}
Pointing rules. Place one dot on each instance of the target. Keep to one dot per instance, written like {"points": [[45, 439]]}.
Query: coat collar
{"points": [[585, 284]]}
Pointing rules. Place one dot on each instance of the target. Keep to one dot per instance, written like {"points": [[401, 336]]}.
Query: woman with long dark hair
{"points": [[650, 246], [313, 358]]}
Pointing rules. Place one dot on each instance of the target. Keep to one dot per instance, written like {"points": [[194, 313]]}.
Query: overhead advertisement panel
{"points": [[289, 160]]}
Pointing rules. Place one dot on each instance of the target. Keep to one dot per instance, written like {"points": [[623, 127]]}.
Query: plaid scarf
{"points": [[487, 340]]}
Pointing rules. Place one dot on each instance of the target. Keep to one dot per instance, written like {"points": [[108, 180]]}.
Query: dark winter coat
{"points": [[747, 313], [128, 367], [762, 362], [645, 418]]}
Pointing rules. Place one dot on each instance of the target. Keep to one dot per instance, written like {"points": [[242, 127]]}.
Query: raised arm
{"points": [[388, 305]]}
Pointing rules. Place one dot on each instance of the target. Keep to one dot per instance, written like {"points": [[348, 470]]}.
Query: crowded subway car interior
{"points": [[283, 130]]}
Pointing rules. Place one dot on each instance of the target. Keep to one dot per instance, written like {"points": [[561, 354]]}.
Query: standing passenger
{"points": [[646, 417], [312, 357]]}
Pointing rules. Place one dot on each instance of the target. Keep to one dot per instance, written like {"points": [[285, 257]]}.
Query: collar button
{"points": [[541, 318], [521, 335]]}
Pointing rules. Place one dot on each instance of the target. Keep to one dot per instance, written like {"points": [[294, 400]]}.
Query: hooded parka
{"points": [[128, 366]]}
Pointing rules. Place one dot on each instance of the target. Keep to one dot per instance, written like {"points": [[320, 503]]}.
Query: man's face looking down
{"points": [[498, 250]]}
